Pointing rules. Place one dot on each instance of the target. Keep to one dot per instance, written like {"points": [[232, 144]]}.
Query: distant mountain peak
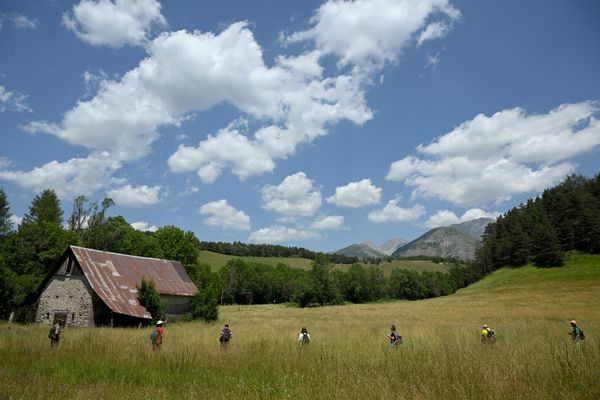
{"points": [[473, 228]]}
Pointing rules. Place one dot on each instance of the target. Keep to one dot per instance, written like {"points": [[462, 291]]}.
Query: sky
{"points": [[316, 124]]}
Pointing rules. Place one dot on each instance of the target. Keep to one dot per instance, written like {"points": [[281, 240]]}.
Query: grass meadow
{"points": [[216, 261], [348, 357]]}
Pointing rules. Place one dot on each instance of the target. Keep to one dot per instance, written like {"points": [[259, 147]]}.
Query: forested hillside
{"points": [[563, 218]]}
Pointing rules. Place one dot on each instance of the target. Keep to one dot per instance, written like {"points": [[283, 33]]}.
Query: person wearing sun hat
{"points": [[157, 335], [577, 334], [487, 334]]}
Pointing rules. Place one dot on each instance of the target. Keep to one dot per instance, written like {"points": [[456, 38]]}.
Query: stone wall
{"points": [[70, 294]]}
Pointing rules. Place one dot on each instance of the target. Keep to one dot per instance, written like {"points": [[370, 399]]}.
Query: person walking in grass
{"points": [[304, 336], [55, 333], [225, 337], [577, 334], [157, 335], [487, 335], [395, 338]]}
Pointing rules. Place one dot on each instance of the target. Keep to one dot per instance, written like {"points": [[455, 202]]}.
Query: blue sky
{"points": [[304, 123]]}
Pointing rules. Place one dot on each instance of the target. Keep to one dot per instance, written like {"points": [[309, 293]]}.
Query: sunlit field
{"points": [[216, 261], [349, 356]]}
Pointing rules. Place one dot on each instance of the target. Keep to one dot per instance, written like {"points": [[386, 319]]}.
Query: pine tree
{"points": [[45, 207]]}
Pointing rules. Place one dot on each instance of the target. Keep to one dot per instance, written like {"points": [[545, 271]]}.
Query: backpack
{"points": [[225, 335], [305, 338], [154, 335], [491, 335], [581, 334], [51, 333], [396, 338]]}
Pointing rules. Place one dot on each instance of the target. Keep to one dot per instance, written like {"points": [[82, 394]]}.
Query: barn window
{"points": [[73, 317]]}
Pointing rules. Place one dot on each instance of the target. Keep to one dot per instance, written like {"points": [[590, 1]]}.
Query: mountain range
{"points": [[455, 241]]}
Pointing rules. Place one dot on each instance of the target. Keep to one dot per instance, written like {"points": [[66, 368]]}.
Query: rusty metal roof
{"points": [[115, 277]]}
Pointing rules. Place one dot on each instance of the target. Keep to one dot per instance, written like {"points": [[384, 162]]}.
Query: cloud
{"points": [[278, 234], [16, 221], [489, 159], [4, 162], [187, 72], [19, 21], [368, 33], [144, 226], [446, 217], [114, 23], [13, 101], [392, 213], [329, 223], [69, 179], [356, 194], [294, 196], [130, 196], [433, 60], [435, 30], [222, 215]]}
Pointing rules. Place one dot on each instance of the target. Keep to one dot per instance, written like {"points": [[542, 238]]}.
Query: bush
{"points": [[150, 298], [205, 305]]}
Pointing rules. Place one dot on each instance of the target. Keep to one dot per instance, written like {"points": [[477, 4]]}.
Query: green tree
{"points": [[326, 290], [45, 207], [149, 297], [178, 245], [5, 222]]}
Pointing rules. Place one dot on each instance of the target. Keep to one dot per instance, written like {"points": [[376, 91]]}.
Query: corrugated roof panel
{"points": [[114, 277]]}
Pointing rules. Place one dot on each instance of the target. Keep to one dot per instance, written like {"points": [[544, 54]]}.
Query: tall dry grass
{"points": [[348, 357]]}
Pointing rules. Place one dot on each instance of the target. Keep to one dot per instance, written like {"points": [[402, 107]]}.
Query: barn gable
{"points": [[112, 279]]}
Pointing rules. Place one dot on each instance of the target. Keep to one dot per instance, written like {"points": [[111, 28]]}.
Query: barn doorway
{"points": [[60, 317]]}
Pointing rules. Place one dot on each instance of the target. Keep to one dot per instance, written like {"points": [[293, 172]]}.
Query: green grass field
{"points": [[216, 261], [348, 358]]}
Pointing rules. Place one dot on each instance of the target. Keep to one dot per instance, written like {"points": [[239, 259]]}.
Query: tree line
{"points": [[243, 282], [270, 250], [564, 218]]}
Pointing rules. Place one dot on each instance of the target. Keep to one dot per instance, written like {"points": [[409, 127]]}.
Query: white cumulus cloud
{"points": [[278, 234], [144, 226], [446, 217], [329, 223], [489, 159], [393, 213], [294, 196], [69, 179], [135, 196], [220, 214], [368, 33], [356, 194], [114, 23]]}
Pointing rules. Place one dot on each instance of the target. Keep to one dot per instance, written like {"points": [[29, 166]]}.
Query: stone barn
{"points": [[91, 288]]}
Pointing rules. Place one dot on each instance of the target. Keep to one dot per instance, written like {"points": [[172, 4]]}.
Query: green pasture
{"points": [[216, 261], [348, 357]]}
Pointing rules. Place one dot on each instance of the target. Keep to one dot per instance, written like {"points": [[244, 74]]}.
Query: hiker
{"points": [[55, 333], [225, 337], [577, 334], [157, 335], [303, 337], [395, 338], [488, 335]]}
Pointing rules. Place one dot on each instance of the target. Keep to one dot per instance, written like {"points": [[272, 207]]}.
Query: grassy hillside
{"points": [[348, 358], [216, 261]]}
